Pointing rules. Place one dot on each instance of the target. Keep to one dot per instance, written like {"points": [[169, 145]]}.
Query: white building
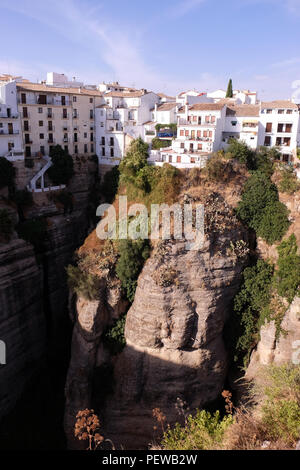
{"points": [[239, 97], [279, 126], [242, 123], [10, 123], [166, 113], [123, 116]]}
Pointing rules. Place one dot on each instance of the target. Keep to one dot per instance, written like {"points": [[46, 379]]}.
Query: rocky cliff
{"points": [[174, 333], [33, 289]]}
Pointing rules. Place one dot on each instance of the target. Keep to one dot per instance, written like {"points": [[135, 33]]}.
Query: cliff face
{"points": [[173, 333], [34, 291], [282, 350]]}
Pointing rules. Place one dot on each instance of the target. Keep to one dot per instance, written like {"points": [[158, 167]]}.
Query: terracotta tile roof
{"points": [[166, 106], [278, 104], [243, 110], [162, 95], [207, 107], [126, 94], [24, 86]]}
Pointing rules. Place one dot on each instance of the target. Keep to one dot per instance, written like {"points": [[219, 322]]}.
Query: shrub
{"points": [[289, 182], [84, 284], [240, 151], [216, 168], [288, 273], [261, 210], [274, 222], [114, 337], [159, 143], [132, 257], [6, 225], [62, 168], [281, 407], [201, 432], [254, 295], [7, 173], [34, 232], [109, 187]]}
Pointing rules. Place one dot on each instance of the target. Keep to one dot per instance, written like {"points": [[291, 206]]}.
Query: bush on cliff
{"points": [[110, 184], [249, 303], [84, 284], [203, 431], [114, 337], [289, 182], [62, 168], [130, 263], [288, 273], [261, 210]]}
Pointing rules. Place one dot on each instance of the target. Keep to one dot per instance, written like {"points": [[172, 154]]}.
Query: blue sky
{"points": [[162, 45]]}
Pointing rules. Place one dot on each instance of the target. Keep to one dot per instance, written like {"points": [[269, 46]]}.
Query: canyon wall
{"points": [[33, 289]]}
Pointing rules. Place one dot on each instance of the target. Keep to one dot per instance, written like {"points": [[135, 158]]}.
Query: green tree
{"points": [[229, 93], [274, 222], [62, 168], [132, 257], [288, 273]]}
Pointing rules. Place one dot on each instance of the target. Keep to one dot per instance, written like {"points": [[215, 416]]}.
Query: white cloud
{"points": [[287, 62]]}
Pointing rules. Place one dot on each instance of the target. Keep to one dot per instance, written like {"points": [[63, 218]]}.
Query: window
{"points": [[102, 140], [199, 146], [27, 152], [280, 128], [63, 101], [205, 134], [85, 135], [92, 137], [50, 126], [288, 127], [42, 150], [198, 134], [42, 99], [26, 126], [91, 100], [112, 152], [287, 141], [269, 127], [289, 111], [41, 123], [75, 137], [213, 119], [42, 136], [101, 124], [66, 138], [111, 141], [92, 148], [50, 138], [65, 113], [91, 114], [269, 111], [40, 111], [74, 99], [206, 119], [49, 112], [76, 146], [186, 133], [182, 133], [85, 148], [280, 111], [23, 98], [25, 113], [27, 139], [278, 141], [267, 141], [103, 151], [75, 114], [101, 113], [233, 123]]}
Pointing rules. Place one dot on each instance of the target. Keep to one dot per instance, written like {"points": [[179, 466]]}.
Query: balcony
{"points": [[50, 116], [185, 122], [5, 132], [65, 116], [12, 116], [66, 139]]}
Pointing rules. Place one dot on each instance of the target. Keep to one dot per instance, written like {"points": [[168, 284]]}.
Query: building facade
{"points": [[11, 145]]}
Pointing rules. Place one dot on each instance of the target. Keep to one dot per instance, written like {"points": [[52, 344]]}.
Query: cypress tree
{"points": [[229, 93]]}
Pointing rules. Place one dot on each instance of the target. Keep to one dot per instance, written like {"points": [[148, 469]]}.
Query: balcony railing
{"points": [[185, 122], [5, 132], [12, 116]]}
